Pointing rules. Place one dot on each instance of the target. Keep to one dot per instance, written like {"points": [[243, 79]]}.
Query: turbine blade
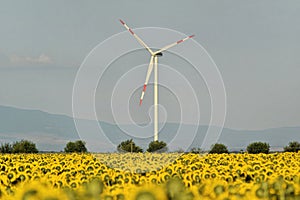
{"points": [[150, 67], [136, 37], [173, 44]]}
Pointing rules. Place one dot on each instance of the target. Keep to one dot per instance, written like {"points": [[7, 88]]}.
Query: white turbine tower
{"points": [[153, 60]]}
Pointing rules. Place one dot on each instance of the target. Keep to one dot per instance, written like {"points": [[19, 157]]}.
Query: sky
{"points": [[254, 44]]}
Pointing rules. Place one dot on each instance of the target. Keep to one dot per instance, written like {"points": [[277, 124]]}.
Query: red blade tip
{"points": [[122, 22], [131, 31], [141, 101], [191, 36], [179, 41]]}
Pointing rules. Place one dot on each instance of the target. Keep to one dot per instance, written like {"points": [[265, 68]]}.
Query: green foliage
{"points": [[196, 150], [179, 150], [129, 146], [258, 147], [6, 148], [77, 146], [218, 148], [157, 146], [24, 146], [292, 147]]}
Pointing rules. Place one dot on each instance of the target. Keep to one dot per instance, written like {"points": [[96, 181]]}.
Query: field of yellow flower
{"points": [[149, 176]]}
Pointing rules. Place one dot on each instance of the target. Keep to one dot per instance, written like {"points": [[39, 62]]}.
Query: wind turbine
{"points": [[153, 61]]}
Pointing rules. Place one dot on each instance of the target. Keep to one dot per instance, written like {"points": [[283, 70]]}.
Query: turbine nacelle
{"points": [[159, 54]]}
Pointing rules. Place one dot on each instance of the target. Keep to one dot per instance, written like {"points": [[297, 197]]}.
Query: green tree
{"points": [[6, 148], [196, 150], [77, 146], [129, 146], [157, 146], [292, 147], [258, 147], [24, 146], [218, 148]]}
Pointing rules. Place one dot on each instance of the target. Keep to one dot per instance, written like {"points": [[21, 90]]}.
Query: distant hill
{"points": [[51, 132]]}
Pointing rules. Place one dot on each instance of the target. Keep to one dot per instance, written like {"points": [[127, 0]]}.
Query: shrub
{"points": [[24, 146], [258, 147], [77, 146], [6, 148], [157, 146], [129, 146], [218, 148], [292, 147], [196, 150]]}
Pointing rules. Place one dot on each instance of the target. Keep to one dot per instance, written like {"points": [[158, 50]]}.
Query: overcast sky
{"points": [[255, 45]]}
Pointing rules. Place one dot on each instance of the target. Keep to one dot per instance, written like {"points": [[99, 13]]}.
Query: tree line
{"points": [[256, 147], [130, 146], [25, 146], [160, 146]]}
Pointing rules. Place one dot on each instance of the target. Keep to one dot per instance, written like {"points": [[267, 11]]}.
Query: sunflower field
{"points": [[145, 176]]}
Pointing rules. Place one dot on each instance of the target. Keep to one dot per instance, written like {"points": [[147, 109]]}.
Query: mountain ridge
{"points": [[52, 131]]}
